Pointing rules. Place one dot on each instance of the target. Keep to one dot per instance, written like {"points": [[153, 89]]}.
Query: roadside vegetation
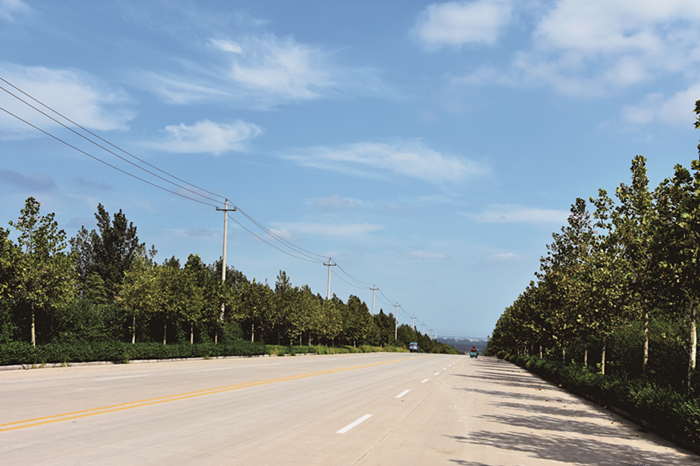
{"points": [[614, 308], [102, 296]]}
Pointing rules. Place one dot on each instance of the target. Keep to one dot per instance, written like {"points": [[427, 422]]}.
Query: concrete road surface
{"points": [[351, 409]]}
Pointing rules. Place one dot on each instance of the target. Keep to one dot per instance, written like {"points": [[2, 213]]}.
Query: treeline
{"points": [[104, 285], [618, 289]]}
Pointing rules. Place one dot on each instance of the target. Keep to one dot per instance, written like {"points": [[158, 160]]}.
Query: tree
{"points": [[255, 300], [113, 249], [46, 274], [139, 289], [677, 243], [9, 259], [633, 220]]}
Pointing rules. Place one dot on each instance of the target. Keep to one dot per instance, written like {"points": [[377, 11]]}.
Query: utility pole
{"points": [[396, 326], [329, 264], [413, 320], [431, 333], [374, 288], [423, 329], [225, 210]]}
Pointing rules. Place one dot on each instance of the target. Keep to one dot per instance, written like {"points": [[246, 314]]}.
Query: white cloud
{"points": [[425, 255], [406, 158], [75, 94], [9, 7], [206, 137], [262, 72], [590, 47], [502, 256], [335, 201], [678, 109], [509, 213], [460, 23], [346, 229]]}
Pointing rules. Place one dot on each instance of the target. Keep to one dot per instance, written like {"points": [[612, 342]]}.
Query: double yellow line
{"points": [[166, 399]]}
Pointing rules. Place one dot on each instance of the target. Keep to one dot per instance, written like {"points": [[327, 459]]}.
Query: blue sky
{"points": [[428, 148]]}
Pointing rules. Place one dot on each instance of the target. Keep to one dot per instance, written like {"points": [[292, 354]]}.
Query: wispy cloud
{"points": [[461, 23], [322, 229], [35, 181], [503, 256], [677, 109], [8, 8], [206, 137], [376, 160], [335, 202], [510, 213], [76, 94], [262, 71], [425, 255]]}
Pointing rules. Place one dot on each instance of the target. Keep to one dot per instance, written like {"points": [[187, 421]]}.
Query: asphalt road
{"points": [[364, 409]]}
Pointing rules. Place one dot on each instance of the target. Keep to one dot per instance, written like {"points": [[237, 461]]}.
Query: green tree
{"points": [[633, 220], [139, 290], [46, 274], [677, 243], [113, 248]]}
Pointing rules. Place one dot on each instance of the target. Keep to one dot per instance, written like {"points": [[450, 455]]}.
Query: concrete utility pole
{"points": [[413, 320], [374, 288], [225, 210], [423, 330], [396, 317], [329, 264]]}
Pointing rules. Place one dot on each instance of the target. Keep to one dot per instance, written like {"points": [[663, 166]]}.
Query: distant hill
{"points": [[464, 345]]}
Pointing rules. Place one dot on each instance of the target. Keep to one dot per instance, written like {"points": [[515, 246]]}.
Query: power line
{"points": [[270, 244], [101, 139], [301, 253], [100, 160]]}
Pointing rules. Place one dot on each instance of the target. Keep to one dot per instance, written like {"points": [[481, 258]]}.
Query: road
{"points": [[350, 409]]}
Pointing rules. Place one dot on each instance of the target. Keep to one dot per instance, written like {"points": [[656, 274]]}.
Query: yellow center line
{"points": [[182, 396]]}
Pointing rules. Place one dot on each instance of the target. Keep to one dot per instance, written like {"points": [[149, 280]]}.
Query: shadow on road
{"points": [[527, 416], [567, 450]]}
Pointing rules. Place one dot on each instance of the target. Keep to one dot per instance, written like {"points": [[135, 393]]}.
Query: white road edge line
{"points": [[402, 393], [424, 380], [354, 424], [437, 373]]}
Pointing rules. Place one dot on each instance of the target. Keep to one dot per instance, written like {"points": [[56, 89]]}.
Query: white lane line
{"points": [[402, 393], [216, 369], [424, 380], [444, 368], [437, 373], [122, 377], [354, 424]]}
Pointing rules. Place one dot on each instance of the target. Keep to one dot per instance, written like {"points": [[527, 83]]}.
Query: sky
{"points": [[429, 150]]}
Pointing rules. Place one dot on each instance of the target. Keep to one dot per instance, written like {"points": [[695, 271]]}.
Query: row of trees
{"points": [[108, 286], [611, 275]]}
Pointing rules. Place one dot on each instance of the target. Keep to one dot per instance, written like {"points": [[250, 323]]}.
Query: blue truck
{"points": [[413, 347]]}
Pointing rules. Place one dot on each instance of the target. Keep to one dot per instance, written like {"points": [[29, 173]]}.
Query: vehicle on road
{"points": [[474, 353], [413, 347]]}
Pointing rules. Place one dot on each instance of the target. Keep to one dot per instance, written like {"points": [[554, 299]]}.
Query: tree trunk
{"points": [[33, 328], [165, 332], [602, 358], [585, 355], [693, 342], [252, 332], [133, 328], [191, 333], [540, 351], [645, 361], [563, 355]]}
